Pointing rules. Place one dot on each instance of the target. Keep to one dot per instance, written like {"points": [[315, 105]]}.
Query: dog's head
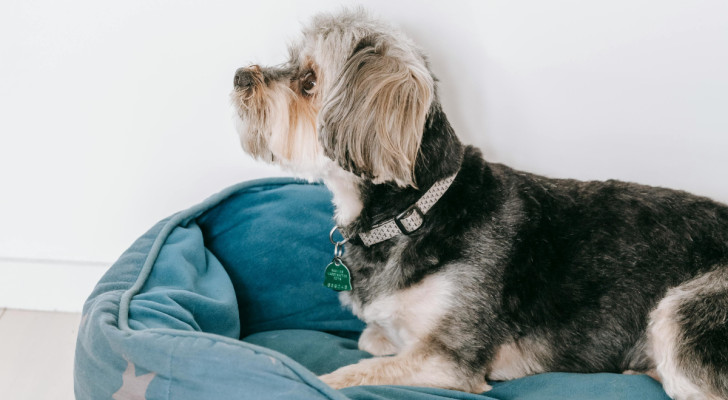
{"points": [[354, 91]]}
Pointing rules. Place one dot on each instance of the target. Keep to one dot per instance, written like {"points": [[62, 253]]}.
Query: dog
{"points": [[467, 271]]}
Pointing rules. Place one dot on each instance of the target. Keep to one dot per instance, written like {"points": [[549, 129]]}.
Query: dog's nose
{"points": [[244, 78]]}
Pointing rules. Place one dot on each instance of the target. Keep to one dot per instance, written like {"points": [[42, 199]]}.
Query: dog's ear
{"points": [[372, 121]]}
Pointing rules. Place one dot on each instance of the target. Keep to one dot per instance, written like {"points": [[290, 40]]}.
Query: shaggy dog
{"points": [[465, 270]]}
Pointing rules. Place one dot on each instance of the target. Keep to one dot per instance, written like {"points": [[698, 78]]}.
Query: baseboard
{"points": [[47, 285]]}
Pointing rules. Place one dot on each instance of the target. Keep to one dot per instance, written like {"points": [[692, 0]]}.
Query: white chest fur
{"points": [[406, 316]]}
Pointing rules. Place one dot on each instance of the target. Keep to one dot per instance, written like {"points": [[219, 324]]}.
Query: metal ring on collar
{"points": [[338, 250], [331, 237]]}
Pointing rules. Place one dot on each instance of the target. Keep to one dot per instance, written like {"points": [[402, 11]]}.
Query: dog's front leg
{"points": [[374, 341], [417, 367]]}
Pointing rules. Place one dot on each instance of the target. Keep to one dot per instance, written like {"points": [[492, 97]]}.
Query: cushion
{"points": [[226, 300]]}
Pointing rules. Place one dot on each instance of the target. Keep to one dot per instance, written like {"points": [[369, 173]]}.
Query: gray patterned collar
{"points": [[410, 219]]}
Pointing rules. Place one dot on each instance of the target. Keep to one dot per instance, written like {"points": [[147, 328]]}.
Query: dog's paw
{"points": [[341, 378], [373, 341], [651, 373], [480, 388]]}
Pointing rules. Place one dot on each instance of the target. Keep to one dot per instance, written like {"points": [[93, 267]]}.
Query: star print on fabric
{"points": [[133, 387]]}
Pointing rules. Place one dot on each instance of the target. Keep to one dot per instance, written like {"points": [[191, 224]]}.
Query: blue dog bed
{"points": [[225, 301]]}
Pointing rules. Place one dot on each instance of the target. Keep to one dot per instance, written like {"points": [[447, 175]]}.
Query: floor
{"points": [[36, 354]]}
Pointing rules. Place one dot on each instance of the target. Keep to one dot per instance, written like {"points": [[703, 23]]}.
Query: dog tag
{"points": [[337, 276]]}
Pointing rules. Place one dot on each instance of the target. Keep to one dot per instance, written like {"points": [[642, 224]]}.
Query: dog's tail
{"points": [[689, 337]]}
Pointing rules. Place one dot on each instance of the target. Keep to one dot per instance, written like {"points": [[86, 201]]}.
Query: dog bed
{"points": [[225, 301]]}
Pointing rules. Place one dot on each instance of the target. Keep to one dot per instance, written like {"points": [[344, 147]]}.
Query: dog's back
{"points": [[590, 260]]}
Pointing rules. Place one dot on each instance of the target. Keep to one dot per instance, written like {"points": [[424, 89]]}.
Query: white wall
{"points": [[115, 114]]}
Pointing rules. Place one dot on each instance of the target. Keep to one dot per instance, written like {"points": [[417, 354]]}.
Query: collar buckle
{"points": [[410, 219]]}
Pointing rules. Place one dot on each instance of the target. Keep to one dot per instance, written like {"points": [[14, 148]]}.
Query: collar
{"points": [[407, 221]]}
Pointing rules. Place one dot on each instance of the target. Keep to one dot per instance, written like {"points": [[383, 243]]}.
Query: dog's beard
{"points": [[277, 127]]}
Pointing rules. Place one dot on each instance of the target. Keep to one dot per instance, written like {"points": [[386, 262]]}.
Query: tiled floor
{"points": [[36, 354]]}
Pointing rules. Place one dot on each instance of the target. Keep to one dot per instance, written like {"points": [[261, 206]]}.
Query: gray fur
{"points": [[529, 274]]}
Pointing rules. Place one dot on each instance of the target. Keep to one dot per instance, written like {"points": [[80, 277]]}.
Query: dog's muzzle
{"points": [[245, 78]]}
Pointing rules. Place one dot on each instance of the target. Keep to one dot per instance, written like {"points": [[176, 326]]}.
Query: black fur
{"points": [[577, 265], [564, 275]]}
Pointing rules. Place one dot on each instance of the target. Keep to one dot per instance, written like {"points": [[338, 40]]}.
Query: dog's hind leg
{"points": [[688, 334], [416, 367]]}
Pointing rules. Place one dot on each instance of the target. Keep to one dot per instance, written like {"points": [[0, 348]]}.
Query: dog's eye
{"points": [[308, 83]]}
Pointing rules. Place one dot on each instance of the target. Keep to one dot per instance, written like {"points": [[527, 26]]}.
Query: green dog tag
{"points": [[337, 276]]}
